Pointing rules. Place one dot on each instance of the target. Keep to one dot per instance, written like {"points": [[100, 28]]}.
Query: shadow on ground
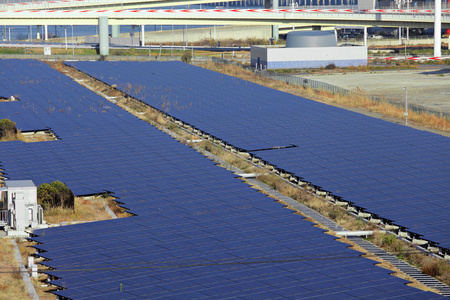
{"points": [[437, 72]]}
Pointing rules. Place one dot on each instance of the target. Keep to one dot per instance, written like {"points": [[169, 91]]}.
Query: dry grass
{"points": [[230, 158], [387, 265], [9, 136], [429, 265], [85, 210], [357, 100], [326, 209], [120, 212], [42, 288], [40, 283], [11, 283], [28, 138]]}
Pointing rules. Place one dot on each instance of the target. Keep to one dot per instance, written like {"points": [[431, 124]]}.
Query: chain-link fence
{"points": [[318, 85]]}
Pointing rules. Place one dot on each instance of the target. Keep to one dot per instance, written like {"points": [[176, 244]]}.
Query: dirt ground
{"points": [[428, 86]]}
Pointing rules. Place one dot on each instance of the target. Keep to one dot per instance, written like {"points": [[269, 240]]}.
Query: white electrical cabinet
{"points": [[18, 207]]}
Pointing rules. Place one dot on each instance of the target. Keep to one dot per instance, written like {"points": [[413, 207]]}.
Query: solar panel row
{"points": [[199, 232], [392, 171]]}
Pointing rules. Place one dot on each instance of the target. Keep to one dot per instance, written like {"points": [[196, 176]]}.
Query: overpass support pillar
{"points": [[437, 28], [115, 31], [275, 27], [103, 33], [45, 32], [38, 32], [142, 36], [365, 36]]}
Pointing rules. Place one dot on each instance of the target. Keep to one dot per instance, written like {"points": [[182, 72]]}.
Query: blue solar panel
{"points": [[339, 151], [198, 230]]}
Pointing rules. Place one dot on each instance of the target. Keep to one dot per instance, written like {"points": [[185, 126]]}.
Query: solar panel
{"points": [[198, 231], [334, 145]]}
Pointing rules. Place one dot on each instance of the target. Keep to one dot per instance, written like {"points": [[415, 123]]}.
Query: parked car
{"points": [[376, 37]]}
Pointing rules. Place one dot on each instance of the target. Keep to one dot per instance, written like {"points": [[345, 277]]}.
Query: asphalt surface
{"points": [[428, 87]]}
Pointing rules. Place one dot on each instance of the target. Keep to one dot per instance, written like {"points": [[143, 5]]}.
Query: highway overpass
{"points": [[95, 4], [298, 17]]}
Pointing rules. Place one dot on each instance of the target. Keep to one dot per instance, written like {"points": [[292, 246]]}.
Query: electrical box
{"points": [[18, 206]]}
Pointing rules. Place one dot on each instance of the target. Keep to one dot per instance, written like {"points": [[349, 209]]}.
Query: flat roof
{"points": [[19, 183]]}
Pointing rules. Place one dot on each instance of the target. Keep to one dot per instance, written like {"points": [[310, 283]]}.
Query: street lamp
{"points": [[405, 114], [404, 41], [73, 44]]}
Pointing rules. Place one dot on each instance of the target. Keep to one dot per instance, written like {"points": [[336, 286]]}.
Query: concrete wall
{"points": [[273, 57], [115, 41], [206, 33], [193, 35]]}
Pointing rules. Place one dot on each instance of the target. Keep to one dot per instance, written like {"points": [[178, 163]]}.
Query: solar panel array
{"points": [[396, 172], [199, 232]]}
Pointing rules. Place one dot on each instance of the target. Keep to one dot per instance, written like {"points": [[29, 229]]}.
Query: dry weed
{"points": [[9, 136], [429, 265], [85, 210], [387, 265], [11, 283]]}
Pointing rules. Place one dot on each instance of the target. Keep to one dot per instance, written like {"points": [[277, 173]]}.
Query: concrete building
{"points": [[308, 49]]}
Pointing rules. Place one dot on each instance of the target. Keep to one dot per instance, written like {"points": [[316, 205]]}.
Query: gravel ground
{"points": [[428, 87]]}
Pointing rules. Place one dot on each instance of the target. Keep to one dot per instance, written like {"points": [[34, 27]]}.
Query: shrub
{"points": [[186, 57], [434, 267], [330, 67], [55, 194], [7, 129]]}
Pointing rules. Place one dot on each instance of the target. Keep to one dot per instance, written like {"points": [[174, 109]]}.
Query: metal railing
{"points": [[90, 57]]}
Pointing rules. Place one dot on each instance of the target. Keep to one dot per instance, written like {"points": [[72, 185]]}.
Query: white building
{"points": [[18, 207], [308, 49]]}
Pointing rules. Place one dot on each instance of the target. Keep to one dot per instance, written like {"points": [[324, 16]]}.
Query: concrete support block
{"points": [[419, 241], [30, 262], [391, 227], [364, 215], [34, 271], [351, 209]]}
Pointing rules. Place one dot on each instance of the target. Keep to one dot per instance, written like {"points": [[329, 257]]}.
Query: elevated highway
{"points": [[298, 17], [96, 4]]}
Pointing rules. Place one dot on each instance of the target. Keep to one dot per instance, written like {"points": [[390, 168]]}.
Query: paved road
{"points": [[427, 86]]}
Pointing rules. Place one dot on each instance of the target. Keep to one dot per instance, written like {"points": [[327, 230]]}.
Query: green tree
{"points": [[55, 194], [65, 195], [47, 195]]}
